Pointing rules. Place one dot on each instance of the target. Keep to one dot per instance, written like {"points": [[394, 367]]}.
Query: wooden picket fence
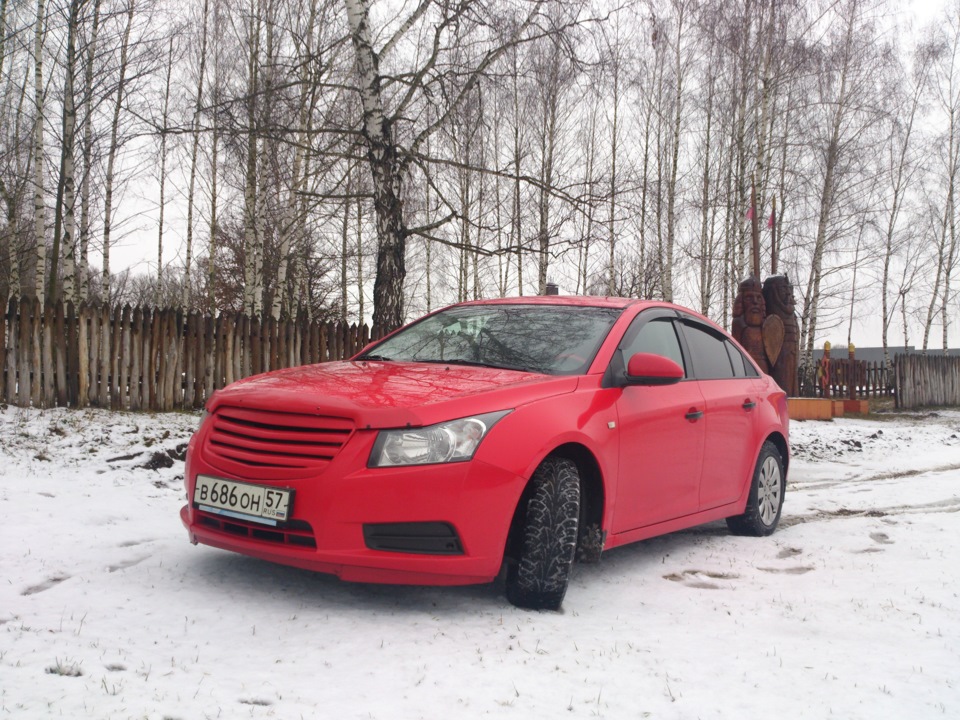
{"points": [[855, 379], [138, 358], [923, 380]]}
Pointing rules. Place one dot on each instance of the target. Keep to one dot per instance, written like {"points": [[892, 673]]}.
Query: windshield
{"points": [[552, 339]]}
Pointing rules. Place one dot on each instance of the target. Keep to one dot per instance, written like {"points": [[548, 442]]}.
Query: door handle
{"points": [[748, 405], [693, 414]]}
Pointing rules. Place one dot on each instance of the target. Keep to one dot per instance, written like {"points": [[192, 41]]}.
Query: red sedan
{"points": [[512, 434]]}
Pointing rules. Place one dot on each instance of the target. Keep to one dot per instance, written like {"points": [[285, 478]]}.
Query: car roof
{"points": [[574, 300]]}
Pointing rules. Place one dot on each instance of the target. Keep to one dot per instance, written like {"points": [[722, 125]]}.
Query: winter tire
{"points": [[765, 503], [539, 578]]}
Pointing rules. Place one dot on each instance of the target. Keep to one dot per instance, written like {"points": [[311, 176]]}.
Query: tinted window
{"points": [[742, 367], [656, 336], [708, 352], [737, 359]]}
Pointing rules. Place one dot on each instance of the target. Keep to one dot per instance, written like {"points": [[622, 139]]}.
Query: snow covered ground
{"points": [[850, 610]]}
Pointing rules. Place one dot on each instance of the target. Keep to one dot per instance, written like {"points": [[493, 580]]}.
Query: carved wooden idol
{"points": [[781, 333], [749, 312]]}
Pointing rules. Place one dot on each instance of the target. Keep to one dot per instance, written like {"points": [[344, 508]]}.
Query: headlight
{"points": [[453, 441]]}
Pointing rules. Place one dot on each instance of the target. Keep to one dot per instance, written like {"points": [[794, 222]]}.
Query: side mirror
{"points": [[649, 369]]}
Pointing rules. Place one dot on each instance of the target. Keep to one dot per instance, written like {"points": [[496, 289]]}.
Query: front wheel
{"points": [[549, 522], [765, 503]]}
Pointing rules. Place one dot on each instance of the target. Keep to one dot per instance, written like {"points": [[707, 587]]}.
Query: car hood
{"points": [[376, 394]]}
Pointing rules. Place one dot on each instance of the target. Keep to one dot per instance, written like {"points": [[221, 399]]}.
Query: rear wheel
{"points": [[765, 503], [548, 529]]}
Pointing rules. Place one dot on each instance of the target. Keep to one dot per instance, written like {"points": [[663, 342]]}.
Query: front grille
{"points": [[296, 533], [261, 444]]}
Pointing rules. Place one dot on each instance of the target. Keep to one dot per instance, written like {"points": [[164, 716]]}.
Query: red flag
{"points": [[773, 220]]}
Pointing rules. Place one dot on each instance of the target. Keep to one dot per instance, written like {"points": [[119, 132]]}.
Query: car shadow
{"points": [[227, 573], [290, 589]]}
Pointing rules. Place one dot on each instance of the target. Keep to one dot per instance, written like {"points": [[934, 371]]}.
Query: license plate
{"points": [[258, 503]]}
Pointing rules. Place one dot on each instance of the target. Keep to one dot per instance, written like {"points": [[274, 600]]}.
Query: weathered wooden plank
{"points": [[48, 370], [256, 346], [24, 362], [72, 354], [36, 357], [243, 349], [13, 315], [175, 367], [199, 368], [126, 356], [209, 365], [136, 358], [188, 348], [229, 366], [92, 361], [60, 349], [276, 344], [3, 355], [293, 353]]}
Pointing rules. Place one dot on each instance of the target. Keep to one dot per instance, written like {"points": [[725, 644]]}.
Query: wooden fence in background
{"points": [[150, 359], [128, 358], [927, 380], [866, 379]]}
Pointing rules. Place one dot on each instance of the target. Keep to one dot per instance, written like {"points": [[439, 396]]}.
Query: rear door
{"points": [[728, 383]]}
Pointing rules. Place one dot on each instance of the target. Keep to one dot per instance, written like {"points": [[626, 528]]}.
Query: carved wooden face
{"points": [[783, 293], [778, 291], [753, 306]]}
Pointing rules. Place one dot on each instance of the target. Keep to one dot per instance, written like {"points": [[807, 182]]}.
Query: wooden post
{"points": [[103, 391], [11, 361], [89, 346], [23, 356], [256, 349], [37, 357], [116, 342], [209, 365], [3, 355], [125, 359], [50, 388], [154, 358], [136, 359], [73, 353]]}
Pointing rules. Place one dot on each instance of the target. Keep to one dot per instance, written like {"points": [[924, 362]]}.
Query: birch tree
{"points": [[387, 154], [39, 206], [112, 151]]}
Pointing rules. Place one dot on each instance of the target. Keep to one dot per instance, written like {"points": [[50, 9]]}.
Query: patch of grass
{"points": [[65, 668]]}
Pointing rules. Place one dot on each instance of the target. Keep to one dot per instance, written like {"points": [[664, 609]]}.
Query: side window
{"points": [[742, 367], [708, 352], [656, 336]]}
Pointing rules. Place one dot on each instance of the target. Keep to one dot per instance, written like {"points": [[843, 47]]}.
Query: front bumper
{"points": [[331, 512]]}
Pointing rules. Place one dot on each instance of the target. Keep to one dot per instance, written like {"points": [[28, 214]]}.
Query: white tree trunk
{"points": [[165, 116], [185, 297], [82, 262], [112, 155], [386, 173], [39, 213]]}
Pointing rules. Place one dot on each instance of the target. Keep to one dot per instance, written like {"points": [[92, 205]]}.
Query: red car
{"points": [[512, 434]]}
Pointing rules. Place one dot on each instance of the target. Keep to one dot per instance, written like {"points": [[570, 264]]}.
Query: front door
{"points": [[661, 435]]}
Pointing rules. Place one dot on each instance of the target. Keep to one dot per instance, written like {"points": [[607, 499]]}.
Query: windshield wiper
{"points": [[376, 357], [472, 363]]}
